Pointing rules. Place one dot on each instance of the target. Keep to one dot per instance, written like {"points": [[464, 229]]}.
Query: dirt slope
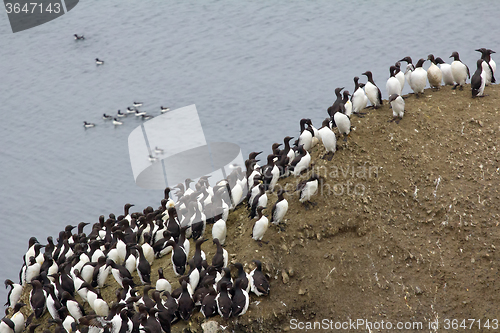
{"points": [[405, 228]]}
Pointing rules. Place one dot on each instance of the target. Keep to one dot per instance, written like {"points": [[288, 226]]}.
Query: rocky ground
{"points": [[405, 227]]}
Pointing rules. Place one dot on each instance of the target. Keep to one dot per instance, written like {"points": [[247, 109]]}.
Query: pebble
{"points": [[285, 277], [210, 327]]}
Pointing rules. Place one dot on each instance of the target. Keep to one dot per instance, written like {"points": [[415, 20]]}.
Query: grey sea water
{"points": [[253, 69]]}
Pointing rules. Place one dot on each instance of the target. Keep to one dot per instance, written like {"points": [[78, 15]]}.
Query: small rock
{"points": [[291, 272], [301, 291], [210, 327], [418, 291], [285, 277]]}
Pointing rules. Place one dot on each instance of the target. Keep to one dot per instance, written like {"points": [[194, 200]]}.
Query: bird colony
{"points": [[75, 268]]}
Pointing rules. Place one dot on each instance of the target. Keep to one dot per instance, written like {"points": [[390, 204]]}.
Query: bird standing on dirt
{"points": [[307, 189]]}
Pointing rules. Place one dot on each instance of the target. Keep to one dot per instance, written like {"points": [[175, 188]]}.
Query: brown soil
{"points": [[412, 237]]}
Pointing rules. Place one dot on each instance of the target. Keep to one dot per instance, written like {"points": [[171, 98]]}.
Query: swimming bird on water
{"points": [[158, 150], [116, 122], [79, 37], [164, 109], [139, 114], [137, 104], [120, 114], [131, 110], [88, 125], [106, 117], [99, 62], [152, 158]]}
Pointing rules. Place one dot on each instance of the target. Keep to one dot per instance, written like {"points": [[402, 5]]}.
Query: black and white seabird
{"points": [[260, 226], [219, 231], [306, 134], [398, 107], [178, 258], [280, 208], [164, 109], [338, 104], [162, 284], [446, 71], [478, 80], [358, 98], [343, 123], [209, 304], [434, 73], [239, 299], [79, 37], [301, 161], [186, 303], [18, 318], [143, 266], [489, 65], [224, 304], [116, 122], [38, 298], [409, 69], [14, 293], [221, 257], [308, 188], [328, 138], [419, 78], [88, 125], [75, 309], [99, 62], [393, 85], [400, 75], [260, 200], [243, 276], [107, 117], [119, 272], [459, 70], [131, 110], [372, 91], [137, 104], [119, 114], [259, 283]]}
